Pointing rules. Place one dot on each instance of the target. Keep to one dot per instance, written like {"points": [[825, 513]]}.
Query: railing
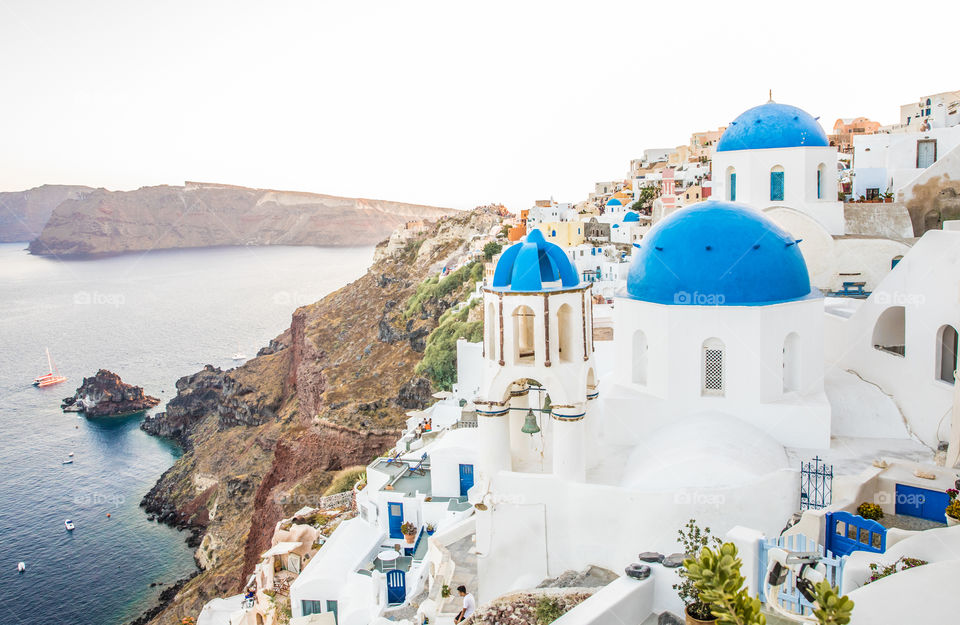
{"points": [[463, 424]]}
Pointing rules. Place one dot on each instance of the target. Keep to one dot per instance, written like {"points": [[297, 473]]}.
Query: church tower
{"points": [[538, 344]]}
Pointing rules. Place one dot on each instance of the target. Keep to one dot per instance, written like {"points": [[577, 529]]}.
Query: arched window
{"points": [[776, 184], [890, 331], [821, 180], [896, 259], [713, 356], [639, 357], [946, 353], [490, 327], [731, 184], [524, 348], [791, 363], [566, 331]]}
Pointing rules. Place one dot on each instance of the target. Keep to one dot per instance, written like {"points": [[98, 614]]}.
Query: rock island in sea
{"points": [[106, 395]]}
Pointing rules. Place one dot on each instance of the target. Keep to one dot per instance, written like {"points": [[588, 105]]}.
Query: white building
{"points": [[888, 162], [776, 155], [939, 110]]}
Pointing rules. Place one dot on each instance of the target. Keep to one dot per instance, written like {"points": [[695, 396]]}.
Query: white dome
{"points": [[707, 450]]}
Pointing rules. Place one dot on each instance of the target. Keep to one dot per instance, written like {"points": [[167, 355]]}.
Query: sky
{"points": [[447, 103]]}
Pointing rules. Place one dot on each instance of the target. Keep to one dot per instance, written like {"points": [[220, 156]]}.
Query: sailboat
{"points": [[51, 377], [239, 355]]}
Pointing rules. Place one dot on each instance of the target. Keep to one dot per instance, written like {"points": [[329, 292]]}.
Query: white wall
{"points": [[927, 283], [800, 180], [753, 337]]}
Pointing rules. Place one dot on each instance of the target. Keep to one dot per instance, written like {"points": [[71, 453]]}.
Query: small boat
{"points": [[67, 462], [21, 566], [51, 377], [70, 454], [239, 355], [69, 525]]}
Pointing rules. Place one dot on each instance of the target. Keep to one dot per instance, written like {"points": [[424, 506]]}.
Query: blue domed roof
{"points": [[614, 202], [528, 264], [718, 253], [772, 125], [631, 216]]}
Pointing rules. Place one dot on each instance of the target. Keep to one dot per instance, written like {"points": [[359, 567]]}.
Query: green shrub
{"points": [[548, 610], [344, 480], [491, 249], [870, 511], [879, 572], [435, 287], [439, 362]]}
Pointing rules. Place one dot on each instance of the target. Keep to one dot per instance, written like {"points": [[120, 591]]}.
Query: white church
{"points": [[727, 367]]}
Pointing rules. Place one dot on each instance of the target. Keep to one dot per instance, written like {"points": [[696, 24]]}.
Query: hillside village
{"points": [[754, 332]]}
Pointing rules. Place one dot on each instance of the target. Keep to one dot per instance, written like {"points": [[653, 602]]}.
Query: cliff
{"points": [[330, 392], [24, 213], [208, 215]]}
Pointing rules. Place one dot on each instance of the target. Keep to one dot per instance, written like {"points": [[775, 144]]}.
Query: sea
{"points": [[151, 318]]}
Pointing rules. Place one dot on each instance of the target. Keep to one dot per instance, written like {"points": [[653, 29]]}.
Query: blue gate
{"points": [[466, 478], [846, 533], [789, 596], [395, 512], [396, 587], [816, 484]]}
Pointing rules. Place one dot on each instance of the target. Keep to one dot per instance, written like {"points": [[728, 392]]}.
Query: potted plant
{"points": [[692, 540], [409, 532], [430, 529], [952, 512], [445, 591]]}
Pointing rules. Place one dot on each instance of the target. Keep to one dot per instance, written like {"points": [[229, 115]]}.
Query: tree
{"points": [[645, 203], [491, 249]]}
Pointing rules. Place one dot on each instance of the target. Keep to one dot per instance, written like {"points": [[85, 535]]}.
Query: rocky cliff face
{"points": [[264, 439], [24, 213], [206, 215], [105, 395]]}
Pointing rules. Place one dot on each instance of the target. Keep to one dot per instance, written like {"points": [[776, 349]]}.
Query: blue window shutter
{"points": [[776, 186], [733, 187], [819, 185]]}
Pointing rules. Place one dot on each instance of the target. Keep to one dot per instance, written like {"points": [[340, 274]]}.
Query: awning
{"points": [[280, 549]]}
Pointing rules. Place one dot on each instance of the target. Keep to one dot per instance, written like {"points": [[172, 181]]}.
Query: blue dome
{"points": [[772, 125], [528, 264], [718, 253], [631, 216], [614, 202]]}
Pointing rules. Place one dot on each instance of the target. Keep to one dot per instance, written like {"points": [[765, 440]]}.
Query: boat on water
{"points": [[239, 355], [69, 525], [21, 566], [51, 377], [67, 462]]}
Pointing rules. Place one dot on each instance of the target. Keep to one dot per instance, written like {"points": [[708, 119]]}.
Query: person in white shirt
{"points": [[469, 605]]}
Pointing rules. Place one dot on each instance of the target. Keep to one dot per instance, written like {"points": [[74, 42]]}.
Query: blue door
{"points": [[395, 512], [921, 502], [332, 607], [466, 478], [396, 587], [733, 187]]}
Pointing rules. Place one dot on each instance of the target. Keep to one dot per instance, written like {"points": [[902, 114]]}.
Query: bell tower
{"points": [[538, 344]]}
